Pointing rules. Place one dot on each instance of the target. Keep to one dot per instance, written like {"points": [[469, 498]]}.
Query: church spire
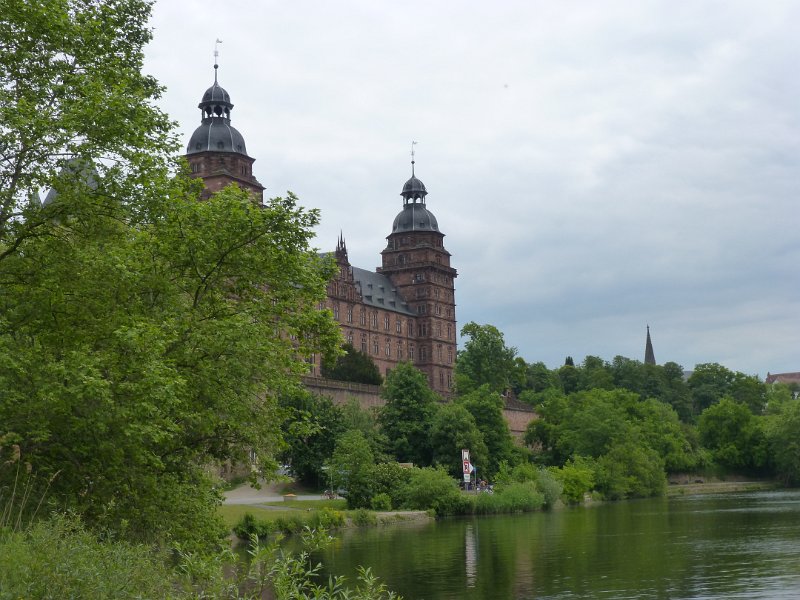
{"points": [[649, 356]]}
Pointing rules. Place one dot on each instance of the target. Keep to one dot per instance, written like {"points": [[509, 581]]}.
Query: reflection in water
{"points": [[470, 555], [732, 546]]}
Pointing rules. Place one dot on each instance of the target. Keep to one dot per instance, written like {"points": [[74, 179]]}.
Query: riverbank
{"points": [[720, 487]]}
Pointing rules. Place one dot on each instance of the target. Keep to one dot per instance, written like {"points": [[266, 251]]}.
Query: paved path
{"points": [[246, 494]]}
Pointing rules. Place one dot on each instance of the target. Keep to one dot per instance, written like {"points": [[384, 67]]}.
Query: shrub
{"points": [[576, 477], [59, 558], [511, 498], [363, 517], [433, 488], [381, 502], [549, 486], [389, 478]]}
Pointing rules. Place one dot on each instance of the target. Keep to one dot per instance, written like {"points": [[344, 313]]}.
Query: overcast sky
{"points": [[596, 166]]}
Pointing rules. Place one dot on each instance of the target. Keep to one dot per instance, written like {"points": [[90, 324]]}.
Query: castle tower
{"points": [[417, 264], [216, 151], [649, 357]]}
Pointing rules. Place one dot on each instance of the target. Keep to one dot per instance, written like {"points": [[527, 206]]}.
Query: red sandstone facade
{"points": [[404, 311]]}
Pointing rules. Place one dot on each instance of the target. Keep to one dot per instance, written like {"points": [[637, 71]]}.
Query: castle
{"points": [[403, 311]]}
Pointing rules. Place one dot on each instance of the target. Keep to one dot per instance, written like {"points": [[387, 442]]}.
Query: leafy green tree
{"points": [[595, 374], [71, 89], [351, 468], [366, 421], [708, 383], [486, 407], [406, 417], [733, 435], [141, 353], [353, 365], [661, 429], [485, 360], [783, 434], [569, 378], [630, 470], [310, 431], [540, 378], [750, 391], [453, 428], [577, 477]]}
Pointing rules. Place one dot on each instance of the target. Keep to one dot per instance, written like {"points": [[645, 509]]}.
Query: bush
{"points": [[549, 486], [363, 517], [59, 558], [326, 518], [576, 477], [389, 478], [433, 488], [511, 498], [381, 502]]}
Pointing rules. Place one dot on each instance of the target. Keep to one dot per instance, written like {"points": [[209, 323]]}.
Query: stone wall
{"points": [[517, 414]]}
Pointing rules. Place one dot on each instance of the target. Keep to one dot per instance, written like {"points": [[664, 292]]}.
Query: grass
{"points": [[310, 504]]}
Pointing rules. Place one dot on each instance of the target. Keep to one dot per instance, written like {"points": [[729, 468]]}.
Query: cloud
{"points": [[595, 166]]}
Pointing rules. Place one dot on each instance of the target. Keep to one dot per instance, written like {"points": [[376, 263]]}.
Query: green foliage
{"points": [[577, 478], [406, 417], [486, 407], [783, 435], [365, 421], [629, 470], [733, 435], [389, 478], [325, 518], [512, 498], [453, 429], [485, 360], [73, 93], [154, 357], [150, 333], [310, 431], [363, 517], [351, 469], [549, 486], [433, 488], [381, 502], [59, 558], [353, 365]]}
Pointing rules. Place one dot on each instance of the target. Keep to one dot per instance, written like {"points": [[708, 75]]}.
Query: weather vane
{"points": [[412, 157], [216, 56]]}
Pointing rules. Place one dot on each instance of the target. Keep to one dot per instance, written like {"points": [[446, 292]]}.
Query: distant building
{"points": [[404, 311], [649, 356], [787, 378]]}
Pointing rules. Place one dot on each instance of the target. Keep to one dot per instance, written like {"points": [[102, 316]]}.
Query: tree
{"points": [[352, 365], [486, 407], [708, 383], [310, 431], [140, 353], [71, 89], [453, 429], [783, 434], [406, 417], [733, 435], [351, 468], [485, 360]]}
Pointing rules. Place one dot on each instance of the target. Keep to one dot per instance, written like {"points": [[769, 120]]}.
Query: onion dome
{"points": [[414, 216], [215, 133]]}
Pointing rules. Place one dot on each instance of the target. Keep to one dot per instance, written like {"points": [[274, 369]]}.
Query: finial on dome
{"points": [[412, 157], [216, 56]]}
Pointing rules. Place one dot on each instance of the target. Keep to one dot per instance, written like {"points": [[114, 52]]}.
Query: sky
{"points": [[596, 166]]}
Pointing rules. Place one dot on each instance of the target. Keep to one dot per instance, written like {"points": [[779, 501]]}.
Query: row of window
{"points": [[399, 354]]}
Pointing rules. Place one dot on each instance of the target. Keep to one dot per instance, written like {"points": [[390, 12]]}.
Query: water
{"points": [[725, 546]]}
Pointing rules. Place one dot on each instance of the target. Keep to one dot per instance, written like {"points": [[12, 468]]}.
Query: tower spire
{"points": [[412, 157], [649, 356], [216, 57]]}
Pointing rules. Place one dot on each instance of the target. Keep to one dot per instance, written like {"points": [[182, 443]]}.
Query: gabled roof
{"points": [[378, 291]]}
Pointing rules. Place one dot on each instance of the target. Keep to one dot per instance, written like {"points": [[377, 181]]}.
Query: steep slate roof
{"points": [[783, 378], [378, 291]]}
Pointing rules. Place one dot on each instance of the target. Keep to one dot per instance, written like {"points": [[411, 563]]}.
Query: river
{"points": [[719, 546]]}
